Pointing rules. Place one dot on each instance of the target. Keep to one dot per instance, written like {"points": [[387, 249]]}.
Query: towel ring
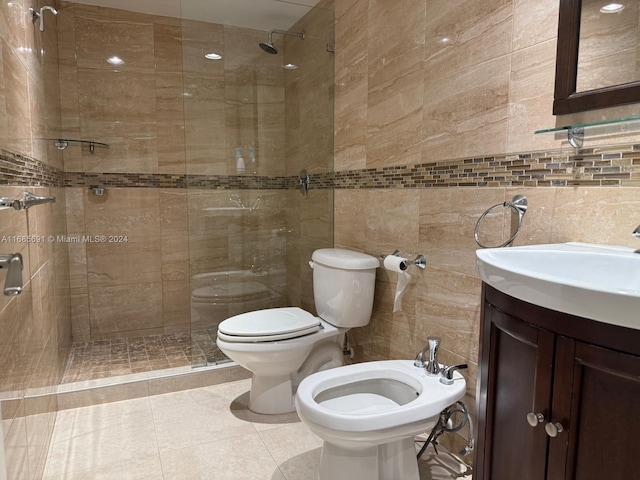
{"points": [[518, 205]]}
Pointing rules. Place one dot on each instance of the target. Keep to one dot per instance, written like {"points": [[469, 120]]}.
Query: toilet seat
{"points": [[268, 325]]}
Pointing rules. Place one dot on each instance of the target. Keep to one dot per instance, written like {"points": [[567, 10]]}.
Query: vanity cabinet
{"points": [[577, 381]]}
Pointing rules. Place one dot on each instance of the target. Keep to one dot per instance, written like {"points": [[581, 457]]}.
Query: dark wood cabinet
{"points": [[576, 380]]}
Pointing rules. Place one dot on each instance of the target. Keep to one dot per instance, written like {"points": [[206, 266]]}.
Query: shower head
{"points": [[268, 45]]}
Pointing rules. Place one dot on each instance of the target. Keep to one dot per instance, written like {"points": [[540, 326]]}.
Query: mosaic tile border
{"points": [[598, 166], [21, 170]]}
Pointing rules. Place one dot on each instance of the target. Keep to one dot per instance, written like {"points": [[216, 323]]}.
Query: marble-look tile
{"points": [[395, 85], [138, 260], [595, 215], [200, 460], [100, 436], [103, 33], [449, 307], [123, 211], [192, 418], [461, 35], [390, 221], [534, 21], [349, 219], [125, 309], [170, 123], [167, 48], [531, 87], [139, 468], [447, 221], [16, 102], [295, 449], [479, 127], [119, 108]]}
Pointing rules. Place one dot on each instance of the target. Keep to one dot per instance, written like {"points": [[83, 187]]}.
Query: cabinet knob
{"points": [[553, 428], [535, 418]]}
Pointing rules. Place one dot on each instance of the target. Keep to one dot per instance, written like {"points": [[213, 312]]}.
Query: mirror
{"points": [[597, 63]]}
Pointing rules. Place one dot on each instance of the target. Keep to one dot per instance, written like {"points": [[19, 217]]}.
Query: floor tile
{"points": [[205, 433], [90, 438], [194, 417], [238, 458], [143, 468]]}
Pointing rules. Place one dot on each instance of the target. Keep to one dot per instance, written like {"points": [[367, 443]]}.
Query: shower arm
{"points": [[284, 32]]}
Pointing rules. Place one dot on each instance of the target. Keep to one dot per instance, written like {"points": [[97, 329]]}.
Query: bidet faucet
{"points": [[446, 376], [431, 366], [636, 233]]}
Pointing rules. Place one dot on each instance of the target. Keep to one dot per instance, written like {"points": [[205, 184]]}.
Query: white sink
{"points": [[599, 282]]}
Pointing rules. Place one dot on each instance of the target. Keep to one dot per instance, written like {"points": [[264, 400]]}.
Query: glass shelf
{"points": [[575, 133], [62, 143]]}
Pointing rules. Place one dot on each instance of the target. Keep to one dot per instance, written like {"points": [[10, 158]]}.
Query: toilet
{"points": [[281, 346], [368, 415]]}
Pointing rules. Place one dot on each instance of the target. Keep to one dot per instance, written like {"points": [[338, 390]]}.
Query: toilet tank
{"points": [[343, 286]]}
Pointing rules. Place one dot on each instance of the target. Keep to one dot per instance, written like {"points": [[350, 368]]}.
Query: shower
{"points": [[268, 45]]}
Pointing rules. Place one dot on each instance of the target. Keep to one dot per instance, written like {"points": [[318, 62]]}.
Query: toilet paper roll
{"points": [[395, 264], [403, 280]]}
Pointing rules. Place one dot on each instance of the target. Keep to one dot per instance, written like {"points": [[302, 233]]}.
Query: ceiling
{"points": [[258, 14]]}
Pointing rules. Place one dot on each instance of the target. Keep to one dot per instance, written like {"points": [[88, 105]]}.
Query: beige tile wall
{"points": [[309, 106], [35, 326], [442, 80]]}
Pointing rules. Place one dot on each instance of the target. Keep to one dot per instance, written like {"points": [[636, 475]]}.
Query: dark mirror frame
{"points": [[566, 99]]}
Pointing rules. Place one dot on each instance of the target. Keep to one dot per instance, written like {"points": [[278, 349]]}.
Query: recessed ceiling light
{"points": [[115, 60], [212, 56], [612, 8], [289, 66]]}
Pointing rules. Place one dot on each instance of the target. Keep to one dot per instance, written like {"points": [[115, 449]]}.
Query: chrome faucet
{"points": [[29, 200], [13, 282], [431, 366], [636, 233], [446, 376]]}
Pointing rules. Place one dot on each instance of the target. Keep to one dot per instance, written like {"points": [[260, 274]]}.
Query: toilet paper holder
{"points": [[420, 261]]}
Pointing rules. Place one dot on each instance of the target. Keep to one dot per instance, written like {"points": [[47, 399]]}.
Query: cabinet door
{"points": [[515, 379], [596, 397]]}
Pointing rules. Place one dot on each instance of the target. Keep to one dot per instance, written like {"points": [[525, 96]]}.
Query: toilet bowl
{"points": [[368, 415], [281, 346]]}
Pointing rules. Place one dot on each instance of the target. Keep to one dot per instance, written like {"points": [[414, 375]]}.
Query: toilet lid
{"points": [[273, 322]]}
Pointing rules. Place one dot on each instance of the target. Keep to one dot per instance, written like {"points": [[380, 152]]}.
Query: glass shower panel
{"points": [[245, 126]]}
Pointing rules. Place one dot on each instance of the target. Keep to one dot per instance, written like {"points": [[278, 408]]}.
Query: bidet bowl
{"points": [[374, 402], [368, 414]]}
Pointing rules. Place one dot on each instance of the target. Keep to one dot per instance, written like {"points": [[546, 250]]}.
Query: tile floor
{"points": [[204, 433], [123, 356]]}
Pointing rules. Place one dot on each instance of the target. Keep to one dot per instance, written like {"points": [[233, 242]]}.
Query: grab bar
{"points": [[29, 200]]}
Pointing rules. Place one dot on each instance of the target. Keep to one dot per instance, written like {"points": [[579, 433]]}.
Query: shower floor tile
{"points": [[124, 356], [203, 433]]}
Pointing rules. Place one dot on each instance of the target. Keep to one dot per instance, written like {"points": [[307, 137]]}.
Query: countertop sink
{"points": [[598, 282]]}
